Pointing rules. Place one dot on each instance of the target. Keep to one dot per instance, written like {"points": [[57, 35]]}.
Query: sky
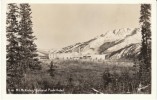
{"points": [[60, 25]]}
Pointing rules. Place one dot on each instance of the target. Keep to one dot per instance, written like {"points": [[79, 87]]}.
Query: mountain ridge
{"points": [[117, 44]]}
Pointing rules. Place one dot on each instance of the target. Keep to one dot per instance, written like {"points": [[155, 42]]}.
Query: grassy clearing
{"points": [[81, 76]]}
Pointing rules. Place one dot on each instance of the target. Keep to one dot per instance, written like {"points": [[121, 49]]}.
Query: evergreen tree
{"points": [[13, 73], [21, 49], [27, 46], [145, 56]]}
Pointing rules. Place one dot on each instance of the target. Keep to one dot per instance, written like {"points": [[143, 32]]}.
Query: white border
{"points": [[78, 96], [79, 1], [0, 44]]}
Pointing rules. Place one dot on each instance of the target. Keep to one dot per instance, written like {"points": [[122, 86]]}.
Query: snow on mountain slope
{"points": [[115, 35], [131, 39], [119, 43]]}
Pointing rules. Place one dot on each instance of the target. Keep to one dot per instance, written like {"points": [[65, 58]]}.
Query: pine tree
{"points": [[13, 73], [21, 49], [28, 48], [145, 56]]}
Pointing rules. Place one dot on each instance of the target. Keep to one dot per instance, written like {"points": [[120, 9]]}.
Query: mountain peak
{"points": [[118, 42]]}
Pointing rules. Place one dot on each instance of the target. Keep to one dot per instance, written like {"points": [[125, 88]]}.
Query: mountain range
{"points": [[122, 43]]}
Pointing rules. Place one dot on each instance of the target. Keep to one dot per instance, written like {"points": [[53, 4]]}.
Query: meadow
{"points": [[85, 77]]}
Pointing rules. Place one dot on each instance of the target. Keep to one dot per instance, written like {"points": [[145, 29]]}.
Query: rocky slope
{"points": [[117, 44]]}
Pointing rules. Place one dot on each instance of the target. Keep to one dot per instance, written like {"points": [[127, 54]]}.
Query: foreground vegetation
{"points": [[82, 77]]}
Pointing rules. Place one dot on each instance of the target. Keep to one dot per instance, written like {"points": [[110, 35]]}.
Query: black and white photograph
{"points": [[79, 48]]}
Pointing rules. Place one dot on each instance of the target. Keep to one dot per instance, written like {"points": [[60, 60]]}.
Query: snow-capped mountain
{"points": [[119, 43]]}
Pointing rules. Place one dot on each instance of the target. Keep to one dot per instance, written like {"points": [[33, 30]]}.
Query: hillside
{"points": [[117, 44]]}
